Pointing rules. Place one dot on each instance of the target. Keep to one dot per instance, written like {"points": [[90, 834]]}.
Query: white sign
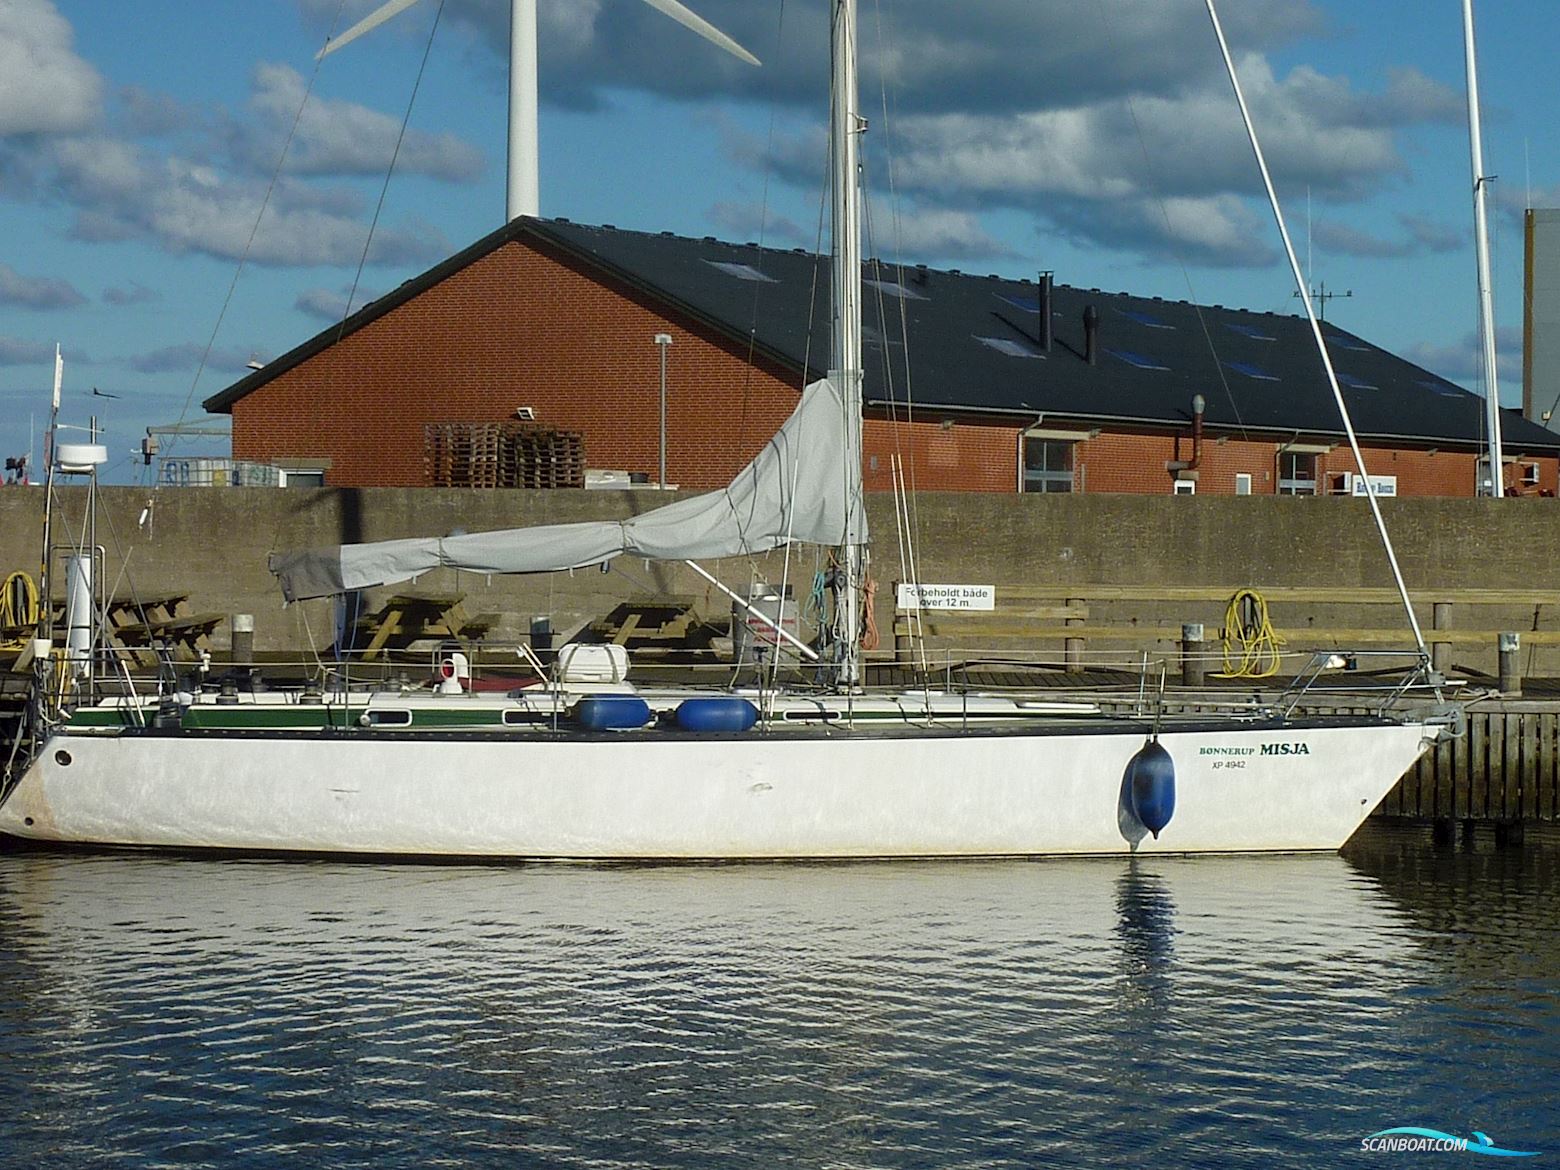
{"points": [[1385, 485], [946, 597]]}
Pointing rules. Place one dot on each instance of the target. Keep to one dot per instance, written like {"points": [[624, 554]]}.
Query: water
{"points": [[1171, 1012]]}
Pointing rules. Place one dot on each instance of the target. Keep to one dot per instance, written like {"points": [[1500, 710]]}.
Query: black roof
{"points": [[973, 343]]}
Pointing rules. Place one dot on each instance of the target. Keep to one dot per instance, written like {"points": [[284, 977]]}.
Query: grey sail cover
{"points": [[798, 488]]}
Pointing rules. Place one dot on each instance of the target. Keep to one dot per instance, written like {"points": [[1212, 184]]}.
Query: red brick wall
{"points": [[517, 328]]}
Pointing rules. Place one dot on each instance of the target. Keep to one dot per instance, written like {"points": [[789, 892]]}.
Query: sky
{"points": [[184, 189]]}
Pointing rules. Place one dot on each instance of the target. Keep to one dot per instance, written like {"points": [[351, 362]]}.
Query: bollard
{"points": [[1194, 669], [1510, 669], [1072, 648], [243, 638], [1441, 652]]}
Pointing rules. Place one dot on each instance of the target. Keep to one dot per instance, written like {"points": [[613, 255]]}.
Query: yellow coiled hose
{"points": [[18, 610], [1252, 647]]}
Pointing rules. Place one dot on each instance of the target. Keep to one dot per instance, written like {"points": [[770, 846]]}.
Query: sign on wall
{"points": [[946, 596]]}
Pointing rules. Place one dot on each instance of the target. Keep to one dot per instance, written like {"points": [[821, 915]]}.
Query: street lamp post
{"points": [[662, 341]]}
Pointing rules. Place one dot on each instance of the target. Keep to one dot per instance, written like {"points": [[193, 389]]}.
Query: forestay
{"points": [[796, 489]]}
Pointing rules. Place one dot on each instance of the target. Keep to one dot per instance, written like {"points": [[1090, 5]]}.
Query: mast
{"points": [[845, 124], [1481, 236]]}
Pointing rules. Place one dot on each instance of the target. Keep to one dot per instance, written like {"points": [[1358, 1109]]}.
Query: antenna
{"points": [[1320, 296]]}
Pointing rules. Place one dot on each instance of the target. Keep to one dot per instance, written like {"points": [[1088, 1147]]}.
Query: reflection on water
{"points": [[1145, 1011]]}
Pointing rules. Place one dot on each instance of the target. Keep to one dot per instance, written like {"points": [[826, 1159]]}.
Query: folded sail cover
{"points": [[798, 488]]}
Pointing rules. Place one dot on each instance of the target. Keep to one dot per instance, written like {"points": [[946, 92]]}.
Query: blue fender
{"points": [[612, 712], [1150, 781], [718, 713]]}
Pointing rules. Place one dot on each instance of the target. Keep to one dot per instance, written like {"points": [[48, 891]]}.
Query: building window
{"points": [[1048, 465], [1242, 483], [1296, 474]]}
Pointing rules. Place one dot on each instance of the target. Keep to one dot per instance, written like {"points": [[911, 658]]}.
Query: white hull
{"points": [[648, 796]]}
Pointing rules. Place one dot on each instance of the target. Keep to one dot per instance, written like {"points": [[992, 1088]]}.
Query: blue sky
{"points": [[137, 142]]}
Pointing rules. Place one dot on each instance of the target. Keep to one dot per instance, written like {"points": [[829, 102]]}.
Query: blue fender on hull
{"points": [[715, 714], [612, 712], [1151, 782]]}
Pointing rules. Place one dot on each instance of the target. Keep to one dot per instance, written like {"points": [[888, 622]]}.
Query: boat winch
{"points": [[1150, 784]]}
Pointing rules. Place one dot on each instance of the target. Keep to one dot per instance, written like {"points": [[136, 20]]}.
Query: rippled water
{"points": [[1237, 1011]]}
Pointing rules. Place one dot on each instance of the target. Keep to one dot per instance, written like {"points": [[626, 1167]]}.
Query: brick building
{"points": [[1009, 386]]}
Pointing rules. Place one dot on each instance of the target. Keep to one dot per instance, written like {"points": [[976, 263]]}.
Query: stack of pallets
{"points": [[502, 455]]}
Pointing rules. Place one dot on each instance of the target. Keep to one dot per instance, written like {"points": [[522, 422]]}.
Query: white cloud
{"points": [[326, 305], [122, 191], [45, 88], [136, 294], [1463, 360], [188, 357], [19, 351], [37, 292], [340, 138]]}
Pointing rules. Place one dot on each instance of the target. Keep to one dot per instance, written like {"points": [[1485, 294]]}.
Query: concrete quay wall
{"points": [[212, 545]]}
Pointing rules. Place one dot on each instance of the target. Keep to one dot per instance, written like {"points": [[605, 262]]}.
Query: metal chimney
{"points": [[1044, 309], [1091, 334]]}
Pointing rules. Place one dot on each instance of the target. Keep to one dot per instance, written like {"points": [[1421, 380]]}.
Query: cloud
{"points": [[1463, 360], [918, 233], [17, 351], [340, 138], [187, 357], [37, 292], [330, 306], [1421, 236], [122, 191], [752, 222], [136, 294], [45, 88]]}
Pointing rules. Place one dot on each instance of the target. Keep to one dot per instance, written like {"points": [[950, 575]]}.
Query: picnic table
{"points": [[140, 622], [412, 616]]}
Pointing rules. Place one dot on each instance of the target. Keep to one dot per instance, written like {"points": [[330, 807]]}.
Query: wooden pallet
{"points": [[502, 455]]}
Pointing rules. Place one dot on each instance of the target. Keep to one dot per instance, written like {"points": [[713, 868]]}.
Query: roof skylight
{"points": [[1252, 371], [1252, 331], [894, 289], [1012, 346], [741, 271], [1028, 304], [1342, 341], [1143, 318], [1139, 360], [1354, 383]]}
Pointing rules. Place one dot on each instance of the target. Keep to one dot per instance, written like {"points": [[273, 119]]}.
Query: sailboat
{"points": [[584, 764]]}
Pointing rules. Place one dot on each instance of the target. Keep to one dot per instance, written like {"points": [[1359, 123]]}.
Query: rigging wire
{"points": [[254, 231], [384, 188]]}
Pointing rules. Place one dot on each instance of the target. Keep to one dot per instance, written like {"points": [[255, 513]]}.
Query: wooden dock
{"points": [[1505, 767]]}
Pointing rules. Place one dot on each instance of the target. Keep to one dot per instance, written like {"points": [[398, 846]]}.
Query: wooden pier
{"points": [[1505, 767]]}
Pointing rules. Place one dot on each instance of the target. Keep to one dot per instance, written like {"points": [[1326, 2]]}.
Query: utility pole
{"points": [[662, 341]]}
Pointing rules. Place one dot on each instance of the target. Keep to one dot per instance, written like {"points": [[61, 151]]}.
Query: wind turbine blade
{"points": [[368, 24], [701, 26]]}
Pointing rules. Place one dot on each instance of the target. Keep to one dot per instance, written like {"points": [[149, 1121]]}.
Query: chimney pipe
{"points": [[1198, 406], [1091, 334], [1044, 310]]}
